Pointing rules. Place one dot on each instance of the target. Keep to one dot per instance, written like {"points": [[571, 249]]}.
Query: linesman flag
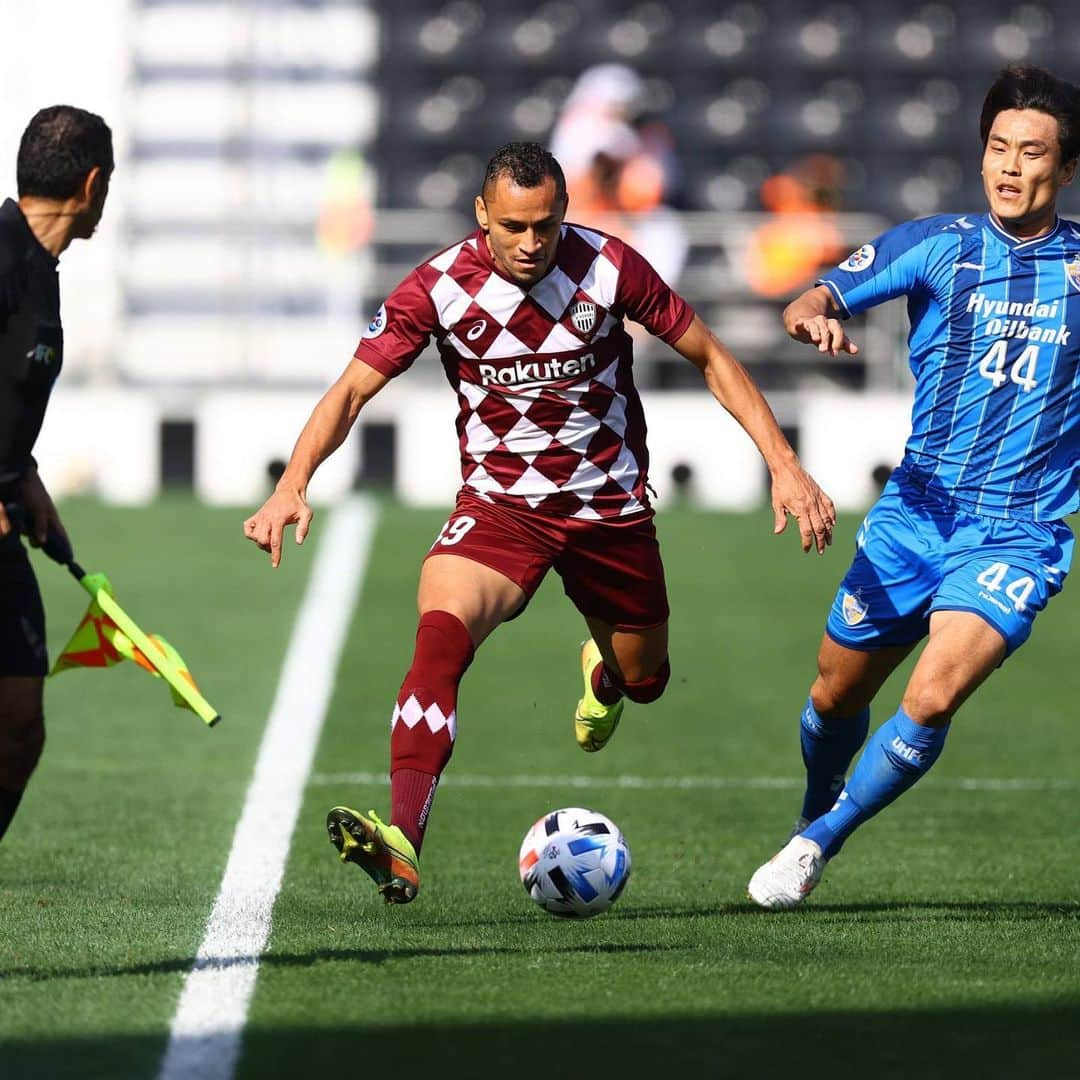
{"points": [[107, 635]]}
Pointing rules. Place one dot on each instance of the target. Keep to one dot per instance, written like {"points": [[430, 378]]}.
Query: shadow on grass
{"points": [[966, 911], [373, 957], [990, 1043], [1023, 910]]}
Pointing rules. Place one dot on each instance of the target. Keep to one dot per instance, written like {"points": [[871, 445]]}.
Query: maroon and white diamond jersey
{"points": [[549, 417]]}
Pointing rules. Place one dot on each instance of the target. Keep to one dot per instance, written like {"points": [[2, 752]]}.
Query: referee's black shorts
{"points": [[22, 616]]}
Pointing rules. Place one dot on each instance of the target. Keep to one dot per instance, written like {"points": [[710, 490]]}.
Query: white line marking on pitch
{"points": [[206, 1031], [685, 783]]}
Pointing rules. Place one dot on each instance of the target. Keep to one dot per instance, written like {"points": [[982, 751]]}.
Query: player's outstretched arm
{"points": [[813, 319], [794, 491], [326, 429]]}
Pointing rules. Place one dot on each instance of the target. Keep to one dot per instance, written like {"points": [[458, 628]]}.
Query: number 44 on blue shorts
{"points": [[912, 559]]}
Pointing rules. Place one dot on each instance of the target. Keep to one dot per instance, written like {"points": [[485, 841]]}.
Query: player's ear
{"points": [[1068, 171], [481, 213], [91, 185]]}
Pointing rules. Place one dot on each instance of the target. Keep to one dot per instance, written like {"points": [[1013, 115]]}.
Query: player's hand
{"points": [[41, 514], [827, 334], [795, 492], [267, 525]]}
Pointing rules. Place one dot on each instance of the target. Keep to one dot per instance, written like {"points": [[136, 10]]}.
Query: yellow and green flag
{"points": [[107, 635]]}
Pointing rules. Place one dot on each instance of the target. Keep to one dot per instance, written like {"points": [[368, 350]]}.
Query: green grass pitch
{"points": [[945, 941]]}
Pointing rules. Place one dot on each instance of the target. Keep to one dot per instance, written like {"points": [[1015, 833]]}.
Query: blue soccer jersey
{"points": [[994, 348]]}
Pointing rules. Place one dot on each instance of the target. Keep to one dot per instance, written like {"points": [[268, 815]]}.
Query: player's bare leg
{"points": [[615, 664], [479, 596], [22, 737], [849, 679], [460, 602], [962, 652]]}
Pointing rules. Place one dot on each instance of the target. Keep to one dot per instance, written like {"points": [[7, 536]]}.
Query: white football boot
{"points": [[789, 876]]}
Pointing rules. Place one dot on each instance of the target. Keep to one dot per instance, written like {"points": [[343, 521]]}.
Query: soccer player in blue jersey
{"points": [[967, 543]]}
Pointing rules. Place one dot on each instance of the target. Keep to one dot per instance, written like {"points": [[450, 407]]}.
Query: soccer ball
{"points": [[574, 862]]}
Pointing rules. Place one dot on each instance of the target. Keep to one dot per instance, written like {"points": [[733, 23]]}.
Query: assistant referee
{"points": [[64, 164]]}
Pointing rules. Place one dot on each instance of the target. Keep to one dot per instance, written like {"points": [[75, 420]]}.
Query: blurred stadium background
{"points": [[282, 164]]}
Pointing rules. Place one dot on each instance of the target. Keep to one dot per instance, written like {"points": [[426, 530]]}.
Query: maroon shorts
{"points": [[611, 570]]}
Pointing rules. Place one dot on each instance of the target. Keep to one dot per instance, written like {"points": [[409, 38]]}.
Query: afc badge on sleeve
{"points": [[377, 324], [859, 260]]}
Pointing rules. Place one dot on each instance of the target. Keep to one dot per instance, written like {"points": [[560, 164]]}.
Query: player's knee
{"points": [[927, 703], [832, 695], [825, 696], [444, 648], [649, 689], [22, 740]]}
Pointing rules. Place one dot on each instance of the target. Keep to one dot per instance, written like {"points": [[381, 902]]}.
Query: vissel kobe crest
{"points": [[583, 315]]}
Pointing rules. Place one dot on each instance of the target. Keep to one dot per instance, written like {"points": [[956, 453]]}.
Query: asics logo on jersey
{"points": [[476, 330], [536, 371]]}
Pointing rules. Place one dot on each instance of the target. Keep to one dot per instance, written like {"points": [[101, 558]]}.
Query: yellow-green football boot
{"points": [[594, 723], [382, 851]]}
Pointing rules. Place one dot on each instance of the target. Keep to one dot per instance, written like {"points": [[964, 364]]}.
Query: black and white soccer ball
{"points": [[574, 862]]}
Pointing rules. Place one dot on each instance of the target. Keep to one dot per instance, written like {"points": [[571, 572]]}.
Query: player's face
{"points": [[1023, 171], [522, 227]]}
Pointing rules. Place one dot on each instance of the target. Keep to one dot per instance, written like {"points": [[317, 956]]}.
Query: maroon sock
{"points": [[604, 686], [411, 795], [424, 723]]}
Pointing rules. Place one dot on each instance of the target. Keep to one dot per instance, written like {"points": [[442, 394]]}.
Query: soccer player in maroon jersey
{"points": [[527, 313]]}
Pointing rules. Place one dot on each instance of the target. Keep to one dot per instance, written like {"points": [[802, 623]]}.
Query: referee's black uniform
{"points": [[31, 354]]}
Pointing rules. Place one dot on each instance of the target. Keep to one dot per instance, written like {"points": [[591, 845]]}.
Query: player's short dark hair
{"points": [[1024, 86], [60, 145], [528, 164]]}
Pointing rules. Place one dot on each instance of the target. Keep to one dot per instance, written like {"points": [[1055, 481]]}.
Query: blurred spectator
{"points": [[785, 254], [345, 222], [620, 165]]}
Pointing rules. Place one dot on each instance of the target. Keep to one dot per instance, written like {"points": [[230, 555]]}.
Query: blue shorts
{"points": [[913, 557]]}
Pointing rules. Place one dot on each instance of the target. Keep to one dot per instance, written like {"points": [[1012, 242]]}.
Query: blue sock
{"points": [[827, 750], [898, 753]]}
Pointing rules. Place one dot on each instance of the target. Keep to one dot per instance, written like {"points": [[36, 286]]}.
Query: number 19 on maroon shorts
{"points": [[611, 570]]}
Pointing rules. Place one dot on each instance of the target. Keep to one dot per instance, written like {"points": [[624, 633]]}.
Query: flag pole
{"points": [[58, 548], [161, 661]]}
